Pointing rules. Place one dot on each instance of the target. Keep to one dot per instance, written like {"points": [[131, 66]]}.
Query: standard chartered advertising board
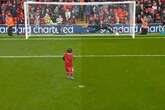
{"points": [[75, 29]]}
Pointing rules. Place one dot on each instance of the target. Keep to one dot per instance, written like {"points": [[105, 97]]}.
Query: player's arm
{"points": [[63, 58]]}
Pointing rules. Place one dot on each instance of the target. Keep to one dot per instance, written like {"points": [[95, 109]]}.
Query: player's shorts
{"points": [[69, 70]]}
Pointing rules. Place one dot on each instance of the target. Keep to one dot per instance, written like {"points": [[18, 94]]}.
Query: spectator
{"points": [[157, 18], [163, 16], [59, 19], [47, 19], [67, 15], [14, 10]]}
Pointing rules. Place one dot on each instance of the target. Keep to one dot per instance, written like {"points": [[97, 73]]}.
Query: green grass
{"points": [[111, 83]]}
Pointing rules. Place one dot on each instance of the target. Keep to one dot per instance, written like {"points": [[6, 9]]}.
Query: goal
{"points": [[79, 18]]}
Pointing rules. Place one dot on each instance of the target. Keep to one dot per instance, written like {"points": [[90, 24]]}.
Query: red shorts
{"points": [[69, 69]]}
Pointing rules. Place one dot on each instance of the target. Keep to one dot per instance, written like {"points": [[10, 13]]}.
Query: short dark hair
{"points": [[69, 50]]}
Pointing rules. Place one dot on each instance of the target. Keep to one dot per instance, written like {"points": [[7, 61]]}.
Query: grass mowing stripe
{"points": [[81, 56]]}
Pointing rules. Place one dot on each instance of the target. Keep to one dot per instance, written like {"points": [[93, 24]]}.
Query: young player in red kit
{"points": [[68, 60]]}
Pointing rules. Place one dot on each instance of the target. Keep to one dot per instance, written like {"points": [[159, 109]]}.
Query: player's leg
{"points": [[70, 71], [8, 31], [11, 31], [110, 28]]}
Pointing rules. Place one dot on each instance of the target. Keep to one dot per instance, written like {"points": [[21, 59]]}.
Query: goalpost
{"points": [[79, 19]]}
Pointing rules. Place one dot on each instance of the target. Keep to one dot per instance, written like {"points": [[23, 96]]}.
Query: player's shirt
{"points": [[68, 58], [9, 21], [144, 23]]}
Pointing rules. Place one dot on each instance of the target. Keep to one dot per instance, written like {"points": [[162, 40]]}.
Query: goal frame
{"points": [[26, 12]]}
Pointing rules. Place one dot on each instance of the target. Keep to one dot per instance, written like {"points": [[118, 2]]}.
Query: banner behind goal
{"points": [[77, 18]]}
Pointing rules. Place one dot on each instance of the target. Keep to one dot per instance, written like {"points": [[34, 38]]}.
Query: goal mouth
{"points": [[76, 18]]}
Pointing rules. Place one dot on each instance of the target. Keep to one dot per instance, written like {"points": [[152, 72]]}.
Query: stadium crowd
{"points": [[154, 10]]}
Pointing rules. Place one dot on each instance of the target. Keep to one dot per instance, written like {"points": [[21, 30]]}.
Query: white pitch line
{"points": [[33, 56], [122, 55], [82, 56]]}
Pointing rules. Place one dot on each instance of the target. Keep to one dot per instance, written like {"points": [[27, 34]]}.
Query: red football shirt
{"points": [[68, 57]]}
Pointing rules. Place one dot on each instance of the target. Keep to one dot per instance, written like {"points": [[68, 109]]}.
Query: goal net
{"points": [[79, 18]]}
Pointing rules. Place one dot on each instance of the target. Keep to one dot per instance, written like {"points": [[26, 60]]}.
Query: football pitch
{"points": [[110, 74]]}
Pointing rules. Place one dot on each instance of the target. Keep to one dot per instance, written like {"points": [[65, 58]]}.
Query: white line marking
{"points": [[81, 86], [81, 56], [122, 56]]}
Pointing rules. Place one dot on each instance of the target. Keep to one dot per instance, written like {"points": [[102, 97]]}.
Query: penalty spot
{"points": [[81, 86]]}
